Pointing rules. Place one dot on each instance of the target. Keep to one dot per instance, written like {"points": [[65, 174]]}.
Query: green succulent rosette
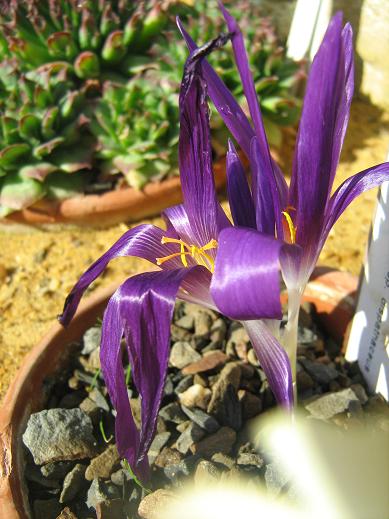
{"points": [[42, 136], [136, 127], [276, 77], [89, 90]]}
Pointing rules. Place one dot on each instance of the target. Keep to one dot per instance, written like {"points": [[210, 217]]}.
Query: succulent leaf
{"points": [[39, 171], [11, 155], [18, 192]]}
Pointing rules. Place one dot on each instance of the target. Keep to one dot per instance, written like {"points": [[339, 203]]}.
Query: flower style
{"points": [[141, 309]]}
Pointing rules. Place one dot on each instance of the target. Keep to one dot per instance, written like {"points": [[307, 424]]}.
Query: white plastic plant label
{"points": [[369, 337], [310, 22]]}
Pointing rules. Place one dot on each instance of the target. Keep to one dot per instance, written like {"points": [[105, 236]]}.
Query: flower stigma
{"points": [[197, 253], [289, 226]]}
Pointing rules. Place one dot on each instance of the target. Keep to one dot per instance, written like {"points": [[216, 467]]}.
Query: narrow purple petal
{"points": [[267, 204], [195, 157], [322, 126], [267, 173], [126, 433], [142, 309], [274, 361], [269, 176], [246, 281], [143, 241], [294, 270], [228, 108], [348, 191], [177, 221], [239, 195], [343, 114], [196, 289], [247, 82]]}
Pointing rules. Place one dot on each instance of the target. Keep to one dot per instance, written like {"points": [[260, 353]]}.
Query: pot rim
{"points": [[115, 206], [22, 398]]}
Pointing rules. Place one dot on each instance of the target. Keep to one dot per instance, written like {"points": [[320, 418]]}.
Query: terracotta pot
{"points": [[122, 205], [332, 292], [26, 396]]}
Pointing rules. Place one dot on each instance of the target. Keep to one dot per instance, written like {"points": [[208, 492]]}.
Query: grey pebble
{"points": [[202, 324], [57, 470], [183, 354], [159, 441], [322, 373], [172, 413], [192, 434], [59, 434], [186, 322], [91, 340], [73, 483], [184, 384], [250, 458], [275, 477], [202, 419], [183, 468], [330, 404], [100, 491]]}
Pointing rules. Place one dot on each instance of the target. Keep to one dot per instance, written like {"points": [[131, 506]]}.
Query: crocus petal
{"points": [[228, 108], [177, 221], [274, 361], [195, 289], [126, 433], [239, 195], [143, 241], [343, 114], [266, 200], [195, 156], [294, 270], [349, 190], [269, 176], [142, 309], [246, 281], [263, 174], [322, 126], [247, 82]]}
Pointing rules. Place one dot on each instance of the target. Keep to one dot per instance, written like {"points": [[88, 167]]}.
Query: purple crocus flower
{"points": [[303, 213], [141, 309]]}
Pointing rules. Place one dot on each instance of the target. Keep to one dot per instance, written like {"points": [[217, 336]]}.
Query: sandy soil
{"points": [[39, 267]]}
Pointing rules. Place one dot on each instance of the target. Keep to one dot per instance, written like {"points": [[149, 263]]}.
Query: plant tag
{"points": [[369, 336], [310, 22]]}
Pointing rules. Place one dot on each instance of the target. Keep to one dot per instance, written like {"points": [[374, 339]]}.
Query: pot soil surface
{"points": [[214, 389], [39, 267]]}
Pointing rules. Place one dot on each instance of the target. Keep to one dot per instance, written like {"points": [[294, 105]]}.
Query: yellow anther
{"points": [[197, 253], [291, 226]]}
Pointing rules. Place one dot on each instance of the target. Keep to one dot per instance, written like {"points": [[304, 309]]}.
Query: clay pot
{"points": [[122, 205], [331, 291], [26, 396]]}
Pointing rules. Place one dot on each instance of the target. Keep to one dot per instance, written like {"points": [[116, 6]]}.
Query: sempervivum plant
{"points": [[275, 75], [136, 126], [99, 39], [59, 59], [41, 136]]}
